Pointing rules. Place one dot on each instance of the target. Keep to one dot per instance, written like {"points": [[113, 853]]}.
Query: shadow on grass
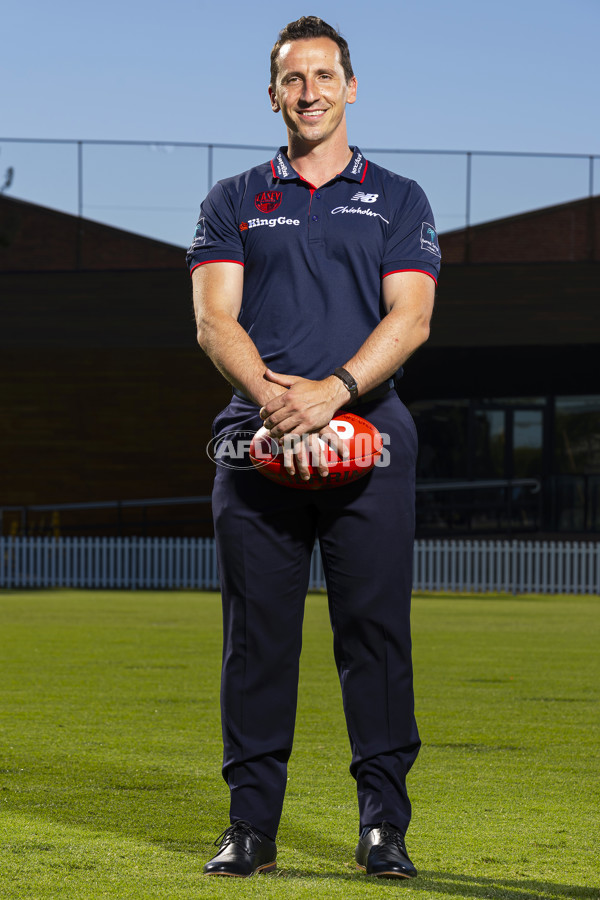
{"points": [[327, 848], [480, 887], [455, 884]]}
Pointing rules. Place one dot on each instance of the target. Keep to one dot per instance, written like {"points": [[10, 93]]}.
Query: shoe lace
{"points": [[236, 834], [391, 835]]}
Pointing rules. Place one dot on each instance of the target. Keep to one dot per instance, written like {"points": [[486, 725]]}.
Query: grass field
{"points": [[110, 752]]}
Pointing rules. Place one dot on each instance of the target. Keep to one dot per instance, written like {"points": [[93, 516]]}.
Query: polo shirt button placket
{"points": [[314, 230]]}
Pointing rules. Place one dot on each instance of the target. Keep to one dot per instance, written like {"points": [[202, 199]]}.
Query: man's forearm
{"points": [[409, 298], [235, 355], [386, 349]]}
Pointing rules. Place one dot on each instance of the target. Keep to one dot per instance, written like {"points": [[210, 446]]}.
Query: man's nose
{"points": [[311, 91]]}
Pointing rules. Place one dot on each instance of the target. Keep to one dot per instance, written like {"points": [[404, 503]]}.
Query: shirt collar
{"points": [[354, 171], [357, 167], [282, 167]]}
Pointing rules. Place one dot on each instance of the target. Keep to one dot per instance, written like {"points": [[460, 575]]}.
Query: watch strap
{"points": [[345, 376]]}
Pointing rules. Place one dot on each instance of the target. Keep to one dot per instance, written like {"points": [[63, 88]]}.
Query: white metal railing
{"points": [[554, 567], [519, 567], [108, 562]]}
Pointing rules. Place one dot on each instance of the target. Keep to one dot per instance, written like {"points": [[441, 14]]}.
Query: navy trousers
{"points": [[265, 534]]}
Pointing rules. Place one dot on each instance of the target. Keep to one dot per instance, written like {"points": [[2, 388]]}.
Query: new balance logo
{"points": [[365, 198]]}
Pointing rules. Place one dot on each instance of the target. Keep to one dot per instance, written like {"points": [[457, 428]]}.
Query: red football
{"points": [[364, 443]]}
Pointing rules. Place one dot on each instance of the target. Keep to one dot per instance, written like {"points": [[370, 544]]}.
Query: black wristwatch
{"points": [[345, 376]]}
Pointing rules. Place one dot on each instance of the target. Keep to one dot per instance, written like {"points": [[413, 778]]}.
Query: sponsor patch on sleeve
{"points": [[200, 233], [429, 239]]}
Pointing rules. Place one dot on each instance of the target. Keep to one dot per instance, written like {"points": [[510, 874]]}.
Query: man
{"points": [[314, 279]]}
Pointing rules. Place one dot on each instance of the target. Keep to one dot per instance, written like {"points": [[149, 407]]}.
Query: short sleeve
{"points": [[412, 243], [217, 236]]}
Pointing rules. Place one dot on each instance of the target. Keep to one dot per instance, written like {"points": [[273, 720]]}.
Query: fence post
{"points": [[78, 249]]}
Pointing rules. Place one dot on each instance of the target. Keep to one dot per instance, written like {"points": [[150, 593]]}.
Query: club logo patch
{"points": [[429, 239], [268, 201]]}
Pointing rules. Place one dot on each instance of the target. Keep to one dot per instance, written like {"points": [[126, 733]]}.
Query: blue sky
{"points": [[521, 75]]}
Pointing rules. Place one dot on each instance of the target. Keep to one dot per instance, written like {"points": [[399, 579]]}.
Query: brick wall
{"points": [[104, 394], [567, 233], [33, 238]]}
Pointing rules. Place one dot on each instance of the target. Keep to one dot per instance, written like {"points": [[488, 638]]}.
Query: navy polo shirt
{"points": [[314, 258]]}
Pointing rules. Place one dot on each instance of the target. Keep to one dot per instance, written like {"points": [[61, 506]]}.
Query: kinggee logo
{"points": [[271, 223], [232, 450]]}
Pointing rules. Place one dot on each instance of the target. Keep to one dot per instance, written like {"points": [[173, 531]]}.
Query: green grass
{"points": [[110, 752]]}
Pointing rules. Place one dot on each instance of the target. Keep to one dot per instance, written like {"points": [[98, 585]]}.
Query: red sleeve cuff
{"points": [[422, 271], [207, 261]]}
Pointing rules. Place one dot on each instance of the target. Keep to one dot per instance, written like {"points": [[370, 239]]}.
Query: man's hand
{"points": [[300, 452], [306, 405], [300, 416]]}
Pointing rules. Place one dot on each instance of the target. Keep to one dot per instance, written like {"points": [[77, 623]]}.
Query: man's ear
{"points": [[274, 104], [352, 88]]}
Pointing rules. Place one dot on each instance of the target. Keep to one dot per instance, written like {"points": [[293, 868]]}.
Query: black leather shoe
{"points": [[381, 851], [243, 851]]}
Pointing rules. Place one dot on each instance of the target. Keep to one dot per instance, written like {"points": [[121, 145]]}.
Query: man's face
{"points": [[311, 89]]}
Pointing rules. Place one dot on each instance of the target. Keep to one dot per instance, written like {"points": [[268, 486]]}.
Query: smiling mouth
{"points": [[311, 114]]}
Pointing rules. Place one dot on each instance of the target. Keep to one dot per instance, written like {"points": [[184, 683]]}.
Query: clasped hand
{"points": [[304, 411]]}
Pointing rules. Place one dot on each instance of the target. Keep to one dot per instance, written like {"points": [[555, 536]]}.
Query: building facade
{"points": [[106, 397]]}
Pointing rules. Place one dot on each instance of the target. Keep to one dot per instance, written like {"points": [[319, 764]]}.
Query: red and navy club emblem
{"points": [[268, 201]]}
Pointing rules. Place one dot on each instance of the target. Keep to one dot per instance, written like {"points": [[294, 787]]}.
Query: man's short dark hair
{"points": [[310, 27]]}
